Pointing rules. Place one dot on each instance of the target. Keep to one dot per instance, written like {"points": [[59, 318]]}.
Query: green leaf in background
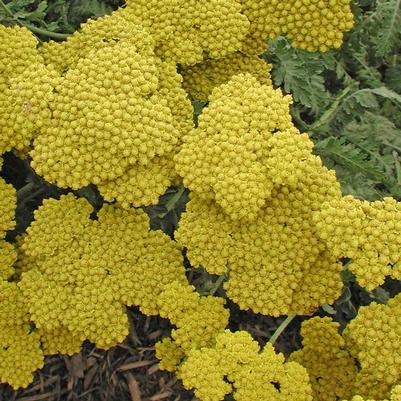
{"points": [[81, 10], [166, 214], [388, 20], [39, 13], [366, 157], [359, 185], [301, 74], [349, 156], [372, 131], [393, 78], [386, 93], [18, 5], [198, 106]]}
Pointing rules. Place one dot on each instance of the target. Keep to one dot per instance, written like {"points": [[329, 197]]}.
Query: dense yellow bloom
{"points": [[24, 262], [95, 34], [169, 354], [331, 369], [8, 257], [23, 95], [197, 319], [87, 270], [313, 25], [171, 88], [236, 366], [20, 352], [316, 25], [20, 356], [17, 51], [277, 264], [206, 232], [186, 30], [8, 203], [141, 185], [108, 116], [201, 79], [25, 106], [244, 146], [367, 232], [60, 340], [373, 338], [395, 395]]}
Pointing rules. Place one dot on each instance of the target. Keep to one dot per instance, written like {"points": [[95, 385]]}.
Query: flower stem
{"points": [[175, 198], [281, 328], [45, 32], [328, 114], [218, 283], [34, 29]]}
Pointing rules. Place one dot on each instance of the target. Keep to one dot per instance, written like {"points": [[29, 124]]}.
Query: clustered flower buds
{"points": [[110, 107]]}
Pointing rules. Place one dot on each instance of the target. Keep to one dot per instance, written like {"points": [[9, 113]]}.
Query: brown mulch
{"points": [[127, 372]]}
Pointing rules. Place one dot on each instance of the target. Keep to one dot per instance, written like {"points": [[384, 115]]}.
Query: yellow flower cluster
{"points": [[95, 34], [331, 369], [25, 110], [201, 79], [141, 185], [87, 270], [197, 319], [25, 87], [373, 338], [236, 366], [20, 352], [17, 52], [117, 115], [171, 88], [366, 232], [169, 353], [207, 233], [313, 25], [108, 118], [186, 30], [60, 340], [277, 265], [8, 203], [244, 146], [8, 256], [395, 395], [24, 262]]}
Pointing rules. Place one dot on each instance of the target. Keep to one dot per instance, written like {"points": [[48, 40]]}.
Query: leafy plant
{"points": [[349, 101]]}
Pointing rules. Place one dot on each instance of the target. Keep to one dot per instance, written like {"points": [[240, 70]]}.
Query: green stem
{"points": [[297, 118], [45, 32], [33, 194], [281, 328], [397, 167], [34, 29], [25, 189], [172, 201], [398, 149], [328, 114], [218, 283], [365, 67]]}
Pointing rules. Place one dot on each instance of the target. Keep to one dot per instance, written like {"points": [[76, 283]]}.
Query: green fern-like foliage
{"points": [[387, 18]]}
